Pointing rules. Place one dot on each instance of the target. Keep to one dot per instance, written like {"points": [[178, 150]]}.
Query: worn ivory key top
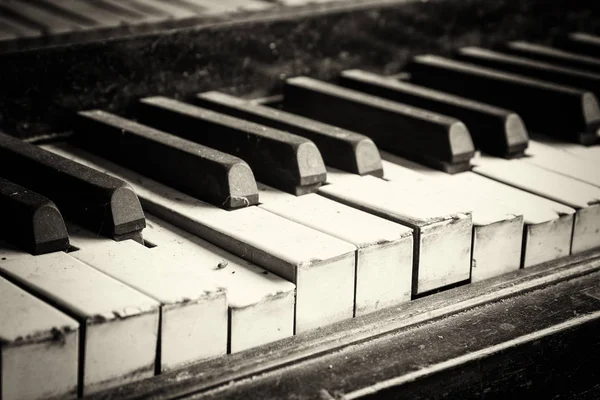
{"points": [[548, 225], [37, 342], [563, 163], [442, 234], [321, 266], [261, 304], [384, 249], [586, 154], [496, 228], [581, 196], [119, 330], [193, 323]]}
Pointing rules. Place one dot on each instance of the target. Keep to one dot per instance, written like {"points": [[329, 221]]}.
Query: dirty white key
{"points": [[384, 248], [193, 307], [121, 324], [442, 233], [496, 228], [548, 225], [584, 153], [261, 304], [321, 266], [584, 198], [38, 348], [562, 162]]}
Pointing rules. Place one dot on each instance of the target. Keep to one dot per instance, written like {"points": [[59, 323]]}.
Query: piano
{"points": [[299, 199]]}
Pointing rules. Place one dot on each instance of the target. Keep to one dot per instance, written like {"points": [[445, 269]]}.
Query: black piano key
{"points": [[279, 159], [494, 130], [30, 220], [340, 148], [205, 173], [100, 202], [553, 55], [565, 112], [531, 68], [582, 43], [437, 140]]}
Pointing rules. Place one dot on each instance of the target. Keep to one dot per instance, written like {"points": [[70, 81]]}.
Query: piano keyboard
{"points": [[191, 232]]}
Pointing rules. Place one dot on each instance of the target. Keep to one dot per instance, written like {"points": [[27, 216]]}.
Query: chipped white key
{"points": [[548, 225], [584, 198], [442, 233], [121, 324], [38, 348], [384, 248], [193, 323], [562, 162], [261, 304], [496, 228], [321, 266]]}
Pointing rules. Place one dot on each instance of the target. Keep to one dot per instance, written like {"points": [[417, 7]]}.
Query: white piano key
{"points": [[121, 324], [442, 232], [384, 249], [585, 153], [321, 266], [37, 342], [548, 226], [496, 228], [193, 323], [261, 304], [563, 163], [582, 197], [591, 153]]}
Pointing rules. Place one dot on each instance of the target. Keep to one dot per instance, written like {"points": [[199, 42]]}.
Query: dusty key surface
{"points": [[30, 221], [583, 197], [568, 113], [121, 329], [37, 344], [494, 130], [340, 148], [442, 233], [548, 225], [321, 266], [384, 249], [261, 304], [193, 321], [497, 229], [586, 154], [442, 142], [564, 163], [100, 202], [210, 175], [289, 162]]}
